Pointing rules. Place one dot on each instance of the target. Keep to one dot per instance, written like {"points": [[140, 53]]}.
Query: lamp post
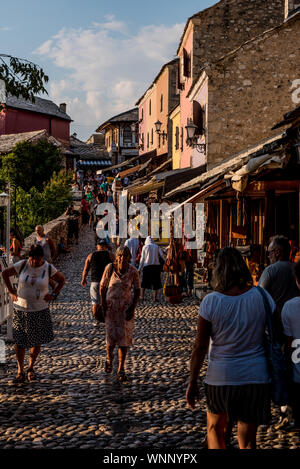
{"points": [[158, 125], [5, 202]]}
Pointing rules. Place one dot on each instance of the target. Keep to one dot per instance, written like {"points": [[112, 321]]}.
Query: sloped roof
{"points": [[87, 151], [199, 14], [127, 116], [7, 142], [288, 118], [41, 105], [232, 164]]}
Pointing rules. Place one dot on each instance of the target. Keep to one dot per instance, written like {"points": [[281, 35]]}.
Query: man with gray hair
{"points": [[279, 280]]}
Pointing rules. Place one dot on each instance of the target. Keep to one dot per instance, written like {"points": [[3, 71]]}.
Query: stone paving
{"points": [[74, 404]]}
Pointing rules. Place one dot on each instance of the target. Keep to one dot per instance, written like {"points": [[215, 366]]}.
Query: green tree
{"points": [[38, 207], [31, 164], [22, 77]]}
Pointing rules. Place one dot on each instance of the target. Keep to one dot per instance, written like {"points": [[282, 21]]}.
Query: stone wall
{"points": [[250, 90], [55, 229], [228, 24]]}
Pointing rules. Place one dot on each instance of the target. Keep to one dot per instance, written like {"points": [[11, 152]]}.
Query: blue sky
{"points": [[100, 56]]}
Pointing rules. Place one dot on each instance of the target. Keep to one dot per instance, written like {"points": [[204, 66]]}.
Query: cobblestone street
{"points": [[73, 404]]}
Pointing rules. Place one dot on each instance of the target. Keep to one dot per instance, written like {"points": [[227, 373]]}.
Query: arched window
{"points": [[161, 103], [127, 135], [151, 136], [150, 107]]}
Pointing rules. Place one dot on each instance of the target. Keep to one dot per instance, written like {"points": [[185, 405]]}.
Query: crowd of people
{"points": [[232, 321]]}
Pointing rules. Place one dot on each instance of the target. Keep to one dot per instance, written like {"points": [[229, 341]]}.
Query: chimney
{"points": [[63, 107], [289, 7]]}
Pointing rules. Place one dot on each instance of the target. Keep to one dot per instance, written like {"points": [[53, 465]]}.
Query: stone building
{"points": [[243, 91], [211, 34], [154, 106], [120, 140]]}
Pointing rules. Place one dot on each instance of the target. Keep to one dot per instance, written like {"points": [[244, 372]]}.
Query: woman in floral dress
{"points": [[119, 303]]}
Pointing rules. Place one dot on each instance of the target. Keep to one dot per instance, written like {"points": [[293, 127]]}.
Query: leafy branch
{"points": [[22, 77]]}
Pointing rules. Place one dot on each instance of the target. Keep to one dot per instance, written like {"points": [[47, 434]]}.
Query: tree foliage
{"points": [[22, 77], [31, 164], [38, 207]]}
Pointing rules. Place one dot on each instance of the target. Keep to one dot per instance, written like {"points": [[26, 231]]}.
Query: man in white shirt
{"points": [[132, 244], [150, 265]]}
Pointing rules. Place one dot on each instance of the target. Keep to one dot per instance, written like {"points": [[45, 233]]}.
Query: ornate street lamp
{"points": [[158, 125], [192, 137]]}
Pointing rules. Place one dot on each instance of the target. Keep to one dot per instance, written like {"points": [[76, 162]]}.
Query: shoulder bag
{"points": [[100, 316], [276, 362]]}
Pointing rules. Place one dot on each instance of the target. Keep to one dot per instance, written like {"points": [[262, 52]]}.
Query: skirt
{"points": [[32, 328], [151, 277], [249, 403]]}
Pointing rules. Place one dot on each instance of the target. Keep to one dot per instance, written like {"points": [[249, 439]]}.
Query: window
{"points": [[127, 135], [151, 136], [177, 139], [150, 107], [161, 103], [147, 139], [186, 64], [159, 141], [198, 117], [181, 143], [142, 114]]}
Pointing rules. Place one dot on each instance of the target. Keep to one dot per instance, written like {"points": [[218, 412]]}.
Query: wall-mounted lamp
{"points": [[158, 125], [192, 137]]}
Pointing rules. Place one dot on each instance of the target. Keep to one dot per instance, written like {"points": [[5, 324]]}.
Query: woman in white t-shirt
{"points": [[237, 382], [32, 325]]}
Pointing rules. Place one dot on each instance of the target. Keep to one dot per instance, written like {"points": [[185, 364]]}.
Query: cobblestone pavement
{"points": [[75, 405]]}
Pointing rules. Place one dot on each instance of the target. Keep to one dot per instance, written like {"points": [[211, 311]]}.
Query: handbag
{"points": [[100, 316], [276, 362], [171, 290]]}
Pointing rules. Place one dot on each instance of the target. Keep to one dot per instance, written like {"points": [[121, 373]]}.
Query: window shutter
{"points": [[186, 64], [198, 118], [179, 84]]}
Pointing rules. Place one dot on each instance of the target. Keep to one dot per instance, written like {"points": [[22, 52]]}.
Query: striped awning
{"points": [[98, 163]]}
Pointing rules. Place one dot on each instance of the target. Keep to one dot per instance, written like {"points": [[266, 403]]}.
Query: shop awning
{"points": [[135, 169], [145, 188], [124, 163], [94, 163], [200, 196], [230, 165]]}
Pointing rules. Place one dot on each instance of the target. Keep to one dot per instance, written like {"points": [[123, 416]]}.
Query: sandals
{"points": [[20, 378], [31, 375], [108, 367], [122, 376]]}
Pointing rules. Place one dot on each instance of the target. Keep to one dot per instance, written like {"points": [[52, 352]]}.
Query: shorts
{"points": [[151, 277], [249, 403], [94, 292]]}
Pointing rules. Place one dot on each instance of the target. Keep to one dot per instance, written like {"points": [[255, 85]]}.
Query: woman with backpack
{"points": [[32, 325]]}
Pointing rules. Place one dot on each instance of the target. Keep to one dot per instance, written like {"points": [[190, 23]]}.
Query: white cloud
{"points": [[5, 28], [105, 67]]}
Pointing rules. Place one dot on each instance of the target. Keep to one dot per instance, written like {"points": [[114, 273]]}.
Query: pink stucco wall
{"points": [[199, 159], [185, 104]]}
